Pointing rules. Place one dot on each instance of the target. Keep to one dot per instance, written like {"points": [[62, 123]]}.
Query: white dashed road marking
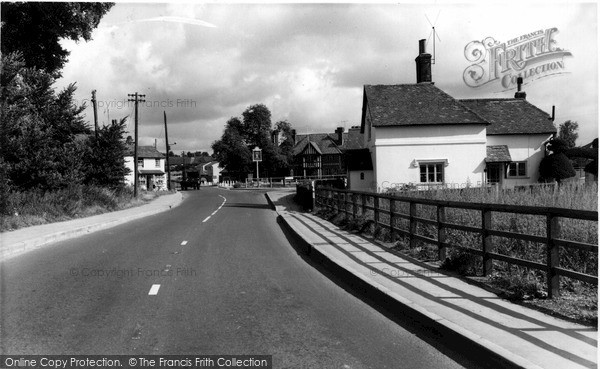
{"points": [[154, 290], [183, 243], [214, 212]]}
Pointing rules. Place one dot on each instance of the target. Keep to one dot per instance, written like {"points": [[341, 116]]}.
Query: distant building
{"points": [[210, 172], [318, 155], [417, 134], [151, 168]]}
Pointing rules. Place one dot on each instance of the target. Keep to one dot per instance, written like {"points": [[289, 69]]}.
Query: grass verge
{"points": [[25, 209]]}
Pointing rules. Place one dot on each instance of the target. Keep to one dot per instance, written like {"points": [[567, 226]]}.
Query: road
{"points": [[230, 282]]}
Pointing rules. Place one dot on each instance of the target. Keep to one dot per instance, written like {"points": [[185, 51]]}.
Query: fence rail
{"points": [[351, 203]]}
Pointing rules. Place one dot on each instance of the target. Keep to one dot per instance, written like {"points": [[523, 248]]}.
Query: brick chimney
{"points": [[340, 136], [520, 94], [423, 64]]}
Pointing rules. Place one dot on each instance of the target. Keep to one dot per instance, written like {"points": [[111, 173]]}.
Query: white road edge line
{"points": [[154, 290], [207, 218]]}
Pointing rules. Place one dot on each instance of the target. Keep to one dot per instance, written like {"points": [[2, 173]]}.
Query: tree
{"points": [[557, 165], [287, 145], [231, 150], [36, 28], [586, 155], [105, 158], [40, 130], [256, 125], [567, 132], [240, 137]]}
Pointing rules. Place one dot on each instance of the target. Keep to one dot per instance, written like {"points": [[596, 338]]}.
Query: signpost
{"points": [[257, 157]]}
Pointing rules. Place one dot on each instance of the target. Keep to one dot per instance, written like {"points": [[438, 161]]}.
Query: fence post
{"points": [[552, 261], [392, 217], [413, 224], [376, 210], [441, 236], [486, 240], [363, 204], [354, 206]]}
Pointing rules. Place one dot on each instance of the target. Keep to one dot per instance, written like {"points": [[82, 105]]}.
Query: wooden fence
{"points": [[353, 203]]}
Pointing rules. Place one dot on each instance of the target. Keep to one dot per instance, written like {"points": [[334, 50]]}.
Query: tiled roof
{"points": [[353, 140], [145, 152], [326, 143], [497, 154], [511, 116], [415, 104]]}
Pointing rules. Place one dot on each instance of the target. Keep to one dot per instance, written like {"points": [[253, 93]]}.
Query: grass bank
{"points": [[25, 209]]}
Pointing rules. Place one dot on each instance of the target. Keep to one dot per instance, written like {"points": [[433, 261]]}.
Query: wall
{"points": [[397, 151], [149, 163], [522, 148], [357, 184]]}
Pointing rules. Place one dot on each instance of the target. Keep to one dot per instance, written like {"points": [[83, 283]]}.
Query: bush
{"points": [[304, 195]]}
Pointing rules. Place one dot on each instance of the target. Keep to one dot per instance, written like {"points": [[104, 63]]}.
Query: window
{"points": [[140, 163], [157, 163], [517, 169], [432, 173], [362, 176]]}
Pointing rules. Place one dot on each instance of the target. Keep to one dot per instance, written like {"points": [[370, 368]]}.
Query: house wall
{"points": [[216, 172], [149, 163], [396, 152], [522, 148], [357, 184]]}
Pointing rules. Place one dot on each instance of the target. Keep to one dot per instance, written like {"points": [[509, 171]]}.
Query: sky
{"points": [[308, 63]]}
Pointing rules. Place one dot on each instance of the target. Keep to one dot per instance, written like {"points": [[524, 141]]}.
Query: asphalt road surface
{"points": [[211, 276]]}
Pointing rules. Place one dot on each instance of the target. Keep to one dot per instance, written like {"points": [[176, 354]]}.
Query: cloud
{"points": [[307, 62]]}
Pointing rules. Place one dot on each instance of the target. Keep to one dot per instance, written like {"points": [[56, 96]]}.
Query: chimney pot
{"points": [[422, 46]]}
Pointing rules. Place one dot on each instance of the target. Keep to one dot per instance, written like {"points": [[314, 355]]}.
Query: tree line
{"points": [[254, 129], [45, 144]]}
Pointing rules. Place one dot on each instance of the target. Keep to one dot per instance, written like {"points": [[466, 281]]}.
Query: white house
{"points": [[211, 171], [151, 168], [417, 134]]}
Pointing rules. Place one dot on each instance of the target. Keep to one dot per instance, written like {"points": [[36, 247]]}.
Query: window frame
{"points": [[435, 165], [519, 167]]}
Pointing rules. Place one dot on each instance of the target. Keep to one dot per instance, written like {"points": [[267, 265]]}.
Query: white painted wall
{"points": [[149, 163], [522, 148], [396, 150]]}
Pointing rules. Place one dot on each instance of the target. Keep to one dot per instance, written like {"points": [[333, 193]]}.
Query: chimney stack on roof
{"points": [[520, 94], [340, 135], [423, 62]]}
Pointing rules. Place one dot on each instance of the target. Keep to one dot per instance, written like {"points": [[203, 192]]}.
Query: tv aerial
{"points": [[433, 34]]}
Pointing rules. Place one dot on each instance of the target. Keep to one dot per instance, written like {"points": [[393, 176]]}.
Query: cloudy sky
{"points": [[204, 64]]}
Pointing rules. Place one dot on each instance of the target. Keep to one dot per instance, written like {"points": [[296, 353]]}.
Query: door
{"points": [[494, 173]]}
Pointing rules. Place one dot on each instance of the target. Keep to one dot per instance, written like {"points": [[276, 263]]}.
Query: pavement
{"points": [[17, 242], [458, 313]]}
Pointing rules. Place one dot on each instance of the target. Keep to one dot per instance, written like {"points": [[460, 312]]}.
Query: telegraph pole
{"points": [[136, 99], [95, 112], [168, 148]]}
